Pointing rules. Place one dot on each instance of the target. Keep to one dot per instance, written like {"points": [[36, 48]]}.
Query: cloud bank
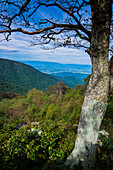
{"points": [[19, 49]]}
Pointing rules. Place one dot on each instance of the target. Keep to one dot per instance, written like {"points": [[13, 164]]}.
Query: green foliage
{"points": [[109, 111], [32, 112], [58, 118], [10, 87], [107, 123], [30, 146], [104, 158], [105, 155], [56, 137], [59, 89], [52, 112]]}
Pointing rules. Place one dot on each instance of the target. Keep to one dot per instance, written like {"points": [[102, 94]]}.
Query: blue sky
{"points": [[19, 49]]}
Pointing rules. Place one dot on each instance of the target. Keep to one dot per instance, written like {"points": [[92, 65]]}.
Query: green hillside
{"points": [[24, 76], [10, 87], [71, 81]]}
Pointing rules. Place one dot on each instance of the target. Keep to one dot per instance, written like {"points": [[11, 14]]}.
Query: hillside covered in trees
{"points": [[10, 87], [23, 75], [38, 130], [20, 78]]}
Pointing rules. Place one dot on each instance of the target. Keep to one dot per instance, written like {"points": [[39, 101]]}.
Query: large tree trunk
{"points": [[95, 102]]}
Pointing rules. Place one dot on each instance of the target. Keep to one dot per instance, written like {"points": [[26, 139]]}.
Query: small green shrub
{"points": [[52, 112], [52, 144]]}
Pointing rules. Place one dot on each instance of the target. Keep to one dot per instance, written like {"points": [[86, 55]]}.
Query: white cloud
{"points": [[18, 49]]}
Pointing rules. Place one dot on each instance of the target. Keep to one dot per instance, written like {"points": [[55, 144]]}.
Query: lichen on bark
{"points": [[85, 146]]}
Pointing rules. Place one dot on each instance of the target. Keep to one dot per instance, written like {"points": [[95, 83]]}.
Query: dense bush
{"points": [[26, 144], [58, 116]]}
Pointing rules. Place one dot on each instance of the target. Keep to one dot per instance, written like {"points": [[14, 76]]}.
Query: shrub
{"points": [[52, 112], [39, 150]]}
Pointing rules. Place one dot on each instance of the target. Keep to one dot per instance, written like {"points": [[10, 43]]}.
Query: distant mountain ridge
{"points": [[53, 67], [24, 75], [20, 78], [79, 76]]}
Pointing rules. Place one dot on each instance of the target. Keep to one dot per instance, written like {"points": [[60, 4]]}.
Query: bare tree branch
{"points": [[71, 14], [23, 6]]}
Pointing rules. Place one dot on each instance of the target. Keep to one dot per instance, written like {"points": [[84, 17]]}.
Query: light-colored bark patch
{"points": [[85, 146]]}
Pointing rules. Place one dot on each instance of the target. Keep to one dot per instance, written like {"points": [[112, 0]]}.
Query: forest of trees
{"points": [[56, 115]]}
